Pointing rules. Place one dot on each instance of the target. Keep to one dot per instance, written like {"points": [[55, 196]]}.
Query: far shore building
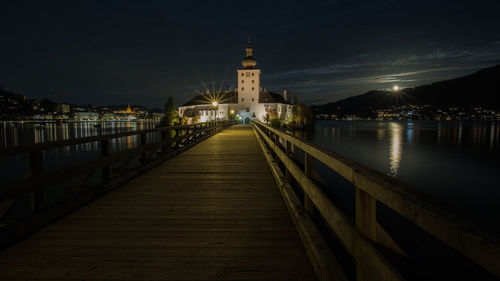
{"points": [[126, 111], [86, 116], [249, 101]]}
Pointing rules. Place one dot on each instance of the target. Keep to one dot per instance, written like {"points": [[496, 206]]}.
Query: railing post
{"points": [[105, 152], [366, 222], [276, 139], [308, 170], [366, 214], [164, 137], [177, 134], [36, 169], [288, 153]]}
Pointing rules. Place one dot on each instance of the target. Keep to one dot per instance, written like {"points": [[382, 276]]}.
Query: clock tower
{"points": [[248, 84]]}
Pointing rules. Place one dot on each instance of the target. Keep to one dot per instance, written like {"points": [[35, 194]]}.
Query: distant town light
{"points": [[395, 88], [214, 103]]}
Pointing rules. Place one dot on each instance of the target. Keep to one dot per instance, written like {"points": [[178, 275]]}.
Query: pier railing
{"points": [[357, 235], [42, 196]]}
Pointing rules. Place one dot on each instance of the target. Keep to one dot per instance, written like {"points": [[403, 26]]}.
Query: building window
{"points": [[242, 74], [242, 99], [253, 74], [252, 88], [253, 99], [248, 109], [248, 74], [242, 88], [242, 81], [253, 81]]}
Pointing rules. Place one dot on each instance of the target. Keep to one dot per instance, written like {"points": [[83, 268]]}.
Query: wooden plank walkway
{"points": [[213, 212]]}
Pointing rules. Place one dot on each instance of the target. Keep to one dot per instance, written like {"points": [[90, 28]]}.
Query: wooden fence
{"points": [[107, 171], [371, 186]]}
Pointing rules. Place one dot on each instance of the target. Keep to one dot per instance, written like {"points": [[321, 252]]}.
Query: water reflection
{"points": [[395, 149], [456, 162], [21, 133], [18, 133]]}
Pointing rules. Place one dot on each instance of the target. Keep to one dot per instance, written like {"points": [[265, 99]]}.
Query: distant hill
{"points": [[481, 88]]}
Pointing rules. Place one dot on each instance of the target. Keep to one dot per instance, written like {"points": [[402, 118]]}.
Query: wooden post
{"points": [[288, 153], [366, 222], [104, 152], [366, 214], [308, 170], [177, 133], [36, 169], [164, 137]]}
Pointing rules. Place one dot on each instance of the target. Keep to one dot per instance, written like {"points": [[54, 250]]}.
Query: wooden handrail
{"points": [[37, 180], [358, 246], [12, 190], [371, 186], [20, 149]]}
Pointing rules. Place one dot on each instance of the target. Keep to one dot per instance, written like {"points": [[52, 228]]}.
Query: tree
{"points": [[48, 106], [302, 114], [171, 117], [295, 108]]}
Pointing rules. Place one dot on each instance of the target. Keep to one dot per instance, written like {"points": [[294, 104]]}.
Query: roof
{"points": [[224, 98], [269, 97]]}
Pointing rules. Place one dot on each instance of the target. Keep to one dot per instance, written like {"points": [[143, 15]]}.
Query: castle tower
{"points": [[248, 83]]}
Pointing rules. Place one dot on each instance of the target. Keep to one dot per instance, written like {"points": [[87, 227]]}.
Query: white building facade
{"points": [[249, 101]]}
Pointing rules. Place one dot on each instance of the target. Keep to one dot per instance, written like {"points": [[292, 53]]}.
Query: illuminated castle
{"points": [[247, 102]]}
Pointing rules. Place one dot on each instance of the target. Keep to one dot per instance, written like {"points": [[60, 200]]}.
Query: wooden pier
{"points": [[213, 212], [218, 201]]}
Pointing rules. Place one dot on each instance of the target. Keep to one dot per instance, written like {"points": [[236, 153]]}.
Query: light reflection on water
{"points": [[395, 148], [18, 133], [455, 162]]}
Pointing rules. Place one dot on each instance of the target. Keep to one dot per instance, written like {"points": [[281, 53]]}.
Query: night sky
{"points": [[141, 52]]}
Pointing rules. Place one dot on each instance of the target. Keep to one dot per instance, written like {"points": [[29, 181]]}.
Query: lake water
{"points": [[19, 133], [457, 163]]}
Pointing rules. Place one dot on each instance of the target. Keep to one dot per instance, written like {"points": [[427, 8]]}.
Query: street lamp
{"points": [[395, 88], [214, 105]]}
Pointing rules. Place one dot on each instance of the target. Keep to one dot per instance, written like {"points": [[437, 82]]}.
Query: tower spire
{"points": [[249, 61], [249, 48]]}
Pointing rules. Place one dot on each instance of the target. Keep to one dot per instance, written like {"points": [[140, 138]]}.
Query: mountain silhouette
{"points": [[481, 88]]}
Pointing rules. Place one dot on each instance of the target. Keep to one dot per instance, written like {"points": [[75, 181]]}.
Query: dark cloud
{"points": [[143, 51]]}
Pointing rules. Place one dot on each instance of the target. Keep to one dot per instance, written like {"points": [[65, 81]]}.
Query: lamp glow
{"points": [[232, 111], [214, 103], [395, 88]]}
